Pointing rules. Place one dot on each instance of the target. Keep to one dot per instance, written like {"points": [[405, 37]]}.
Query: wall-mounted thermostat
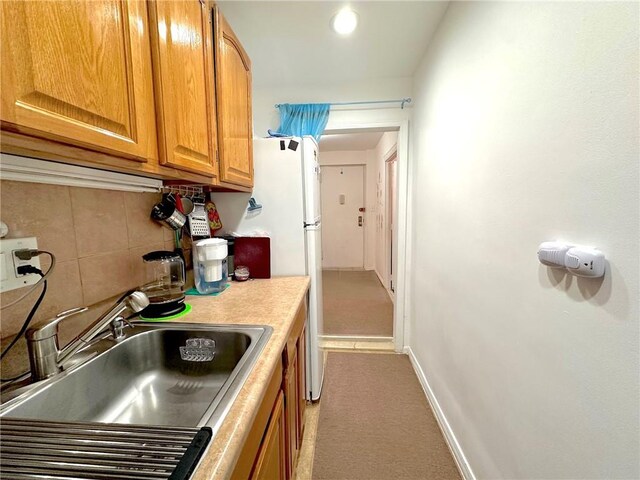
{"points": [[579, 260]]}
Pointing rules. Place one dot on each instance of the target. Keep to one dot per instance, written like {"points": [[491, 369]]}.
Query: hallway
{"points": [[373, 422], [356, 304]]}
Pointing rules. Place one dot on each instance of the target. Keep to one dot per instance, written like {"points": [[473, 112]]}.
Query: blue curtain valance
{"points": [[303, 119]]}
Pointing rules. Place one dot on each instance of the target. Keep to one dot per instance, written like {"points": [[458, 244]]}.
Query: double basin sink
{"points": [[160, 374]]}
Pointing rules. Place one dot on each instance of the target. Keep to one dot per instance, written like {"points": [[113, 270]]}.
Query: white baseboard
{"points": [[450, 437], [389, 292], [345, 269]]}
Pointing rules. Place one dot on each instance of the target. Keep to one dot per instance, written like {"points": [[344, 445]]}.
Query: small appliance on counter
{"points": [[210, 265], [163, 284], [231, 240]]}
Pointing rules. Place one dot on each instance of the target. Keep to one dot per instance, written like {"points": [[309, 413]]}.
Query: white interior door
{"points": [[342, 221]]}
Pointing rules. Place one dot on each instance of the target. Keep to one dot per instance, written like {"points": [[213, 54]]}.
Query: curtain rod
{"points": [[401, 101]]}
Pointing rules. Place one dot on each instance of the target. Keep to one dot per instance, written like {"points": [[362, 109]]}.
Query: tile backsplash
{"points": [[97, 236]]}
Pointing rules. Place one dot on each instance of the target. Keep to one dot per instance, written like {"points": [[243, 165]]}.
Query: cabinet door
{"points": [[271, 464], [181, 35], [302, 384], [291, 413], [79, 72], [235, 129]]}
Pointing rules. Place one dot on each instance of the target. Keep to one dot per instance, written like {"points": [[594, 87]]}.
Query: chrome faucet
{"points": [[46, 358]]}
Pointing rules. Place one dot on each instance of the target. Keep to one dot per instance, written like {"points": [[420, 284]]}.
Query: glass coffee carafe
{"points": [[164, 280]]}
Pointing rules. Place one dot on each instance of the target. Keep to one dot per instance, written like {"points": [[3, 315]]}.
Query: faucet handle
{"points": [[117, 327], [49, 328]]}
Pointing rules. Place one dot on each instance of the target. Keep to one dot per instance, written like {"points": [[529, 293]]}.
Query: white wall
{"points": [[367, 159], [525, 130], [266, 116]]}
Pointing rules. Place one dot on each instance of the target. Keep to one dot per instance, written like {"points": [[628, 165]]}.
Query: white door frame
{"points": [[364, 201], [363, 124], [388, 158]]}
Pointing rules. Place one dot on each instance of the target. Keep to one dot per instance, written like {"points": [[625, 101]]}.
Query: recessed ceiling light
{"points": [[345, 21]]}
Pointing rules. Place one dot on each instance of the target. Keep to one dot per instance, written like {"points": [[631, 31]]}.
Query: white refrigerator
{"points": [[287, 186]]}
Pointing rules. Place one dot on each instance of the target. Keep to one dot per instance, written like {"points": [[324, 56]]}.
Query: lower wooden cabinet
{"points": [[274, 441], [302, 383], [271, 461], [294, 386], [291, 393]]}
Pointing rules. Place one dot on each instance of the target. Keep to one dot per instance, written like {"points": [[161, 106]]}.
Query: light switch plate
{"points": [[9, 263]]}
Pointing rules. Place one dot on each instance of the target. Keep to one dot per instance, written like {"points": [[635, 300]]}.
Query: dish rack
{"points": [[83, 450]]}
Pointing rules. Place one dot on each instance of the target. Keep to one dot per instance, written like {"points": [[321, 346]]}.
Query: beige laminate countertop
{"points": [[272, 302]]}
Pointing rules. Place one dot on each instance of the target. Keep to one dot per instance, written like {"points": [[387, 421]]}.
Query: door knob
{"points": [[359, 220]]}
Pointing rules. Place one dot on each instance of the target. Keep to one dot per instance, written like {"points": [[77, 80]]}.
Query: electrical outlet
{"points": [[9, 263]]}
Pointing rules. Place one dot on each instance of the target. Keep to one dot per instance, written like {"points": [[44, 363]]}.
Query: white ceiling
{"points": [[292, 43], [346, 142]]}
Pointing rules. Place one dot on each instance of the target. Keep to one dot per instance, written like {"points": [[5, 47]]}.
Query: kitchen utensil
{"points": [[179, 203], [231, 241], [187, 205], [166, 212], [198, 223]]}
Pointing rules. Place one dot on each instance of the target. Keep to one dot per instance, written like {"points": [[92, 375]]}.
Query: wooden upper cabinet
{"points": [[79, 72], [235, 124], [183, 72]]}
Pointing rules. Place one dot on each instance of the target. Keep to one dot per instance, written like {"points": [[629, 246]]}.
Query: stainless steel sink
{"points": [[146, 379]]}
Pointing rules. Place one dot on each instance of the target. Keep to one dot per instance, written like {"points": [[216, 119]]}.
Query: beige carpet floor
{"points": [[375, 423], [356, 303]]}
